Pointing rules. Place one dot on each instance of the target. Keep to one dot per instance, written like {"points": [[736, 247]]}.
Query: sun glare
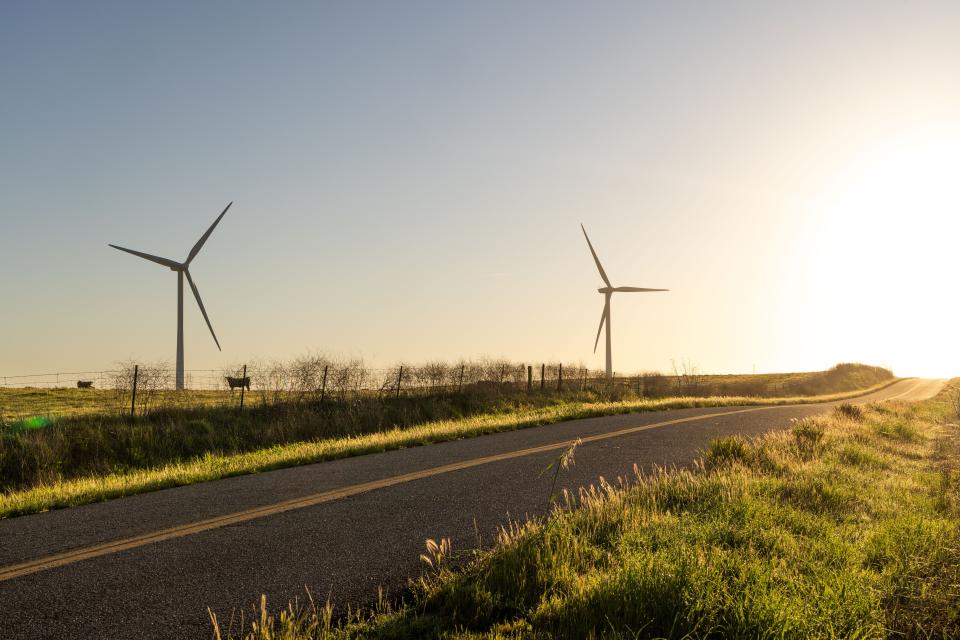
{"points": [[884, 254]]}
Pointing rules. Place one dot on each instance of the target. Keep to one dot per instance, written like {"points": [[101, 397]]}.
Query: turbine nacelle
{"points": [[606, 290]]}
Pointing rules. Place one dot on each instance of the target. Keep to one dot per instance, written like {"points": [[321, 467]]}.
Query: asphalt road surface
{"points": [[148, 566]]}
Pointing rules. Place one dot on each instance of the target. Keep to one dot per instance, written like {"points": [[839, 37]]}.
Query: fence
{"points": [[339, 378], [137, 388], [204, 379], [140, 388]]}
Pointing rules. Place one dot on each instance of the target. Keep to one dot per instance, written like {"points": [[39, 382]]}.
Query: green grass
{"points": [[846, 526], [49, 453], [17, 405]]}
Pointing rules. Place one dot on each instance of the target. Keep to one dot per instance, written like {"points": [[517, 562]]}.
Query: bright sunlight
{"points": [[886, 231]]}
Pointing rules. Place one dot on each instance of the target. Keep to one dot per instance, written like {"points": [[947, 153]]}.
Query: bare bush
{"points": [[347, 377], [431, 375], [473, 372], [654, 384], [306, 376], [393, 378], [690, 381], [153, 379], [272, 381]]}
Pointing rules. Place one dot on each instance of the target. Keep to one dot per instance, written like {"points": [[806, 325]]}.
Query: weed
{"points": [[856, 454], [726, 451], [898, 428], [437, 554], [808, 434], [850, 412], [562, 463]]}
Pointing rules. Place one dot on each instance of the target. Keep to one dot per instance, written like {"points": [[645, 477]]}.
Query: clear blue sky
{"points": [[409, 180]]}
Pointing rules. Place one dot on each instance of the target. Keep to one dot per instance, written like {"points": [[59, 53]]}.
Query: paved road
{"points": [[148, 566]]}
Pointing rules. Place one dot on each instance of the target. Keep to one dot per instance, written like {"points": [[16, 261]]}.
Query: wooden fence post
{"points": [[243, 385], [460, 382], [529, 377], [133, 396], [560, 378], [399, 380], [323, 386], [543, 372]]}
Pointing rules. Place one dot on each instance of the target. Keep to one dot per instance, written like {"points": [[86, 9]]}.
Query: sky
{"points": [[409, 181]]}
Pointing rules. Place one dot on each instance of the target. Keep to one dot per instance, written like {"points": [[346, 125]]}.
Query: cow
{"points": [[84, 384], [238, 382]]}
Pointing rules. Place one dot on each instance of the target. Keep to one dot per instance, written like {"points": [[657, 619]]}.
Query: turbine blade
{"points": [[636, 289], [196, 294], [603, 318], [146, 256], [203, 238], [603, 274]]}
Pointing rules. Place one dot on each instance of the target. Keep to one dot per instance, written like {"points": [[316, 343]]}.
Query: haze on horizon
{"points": [[409, 181]]}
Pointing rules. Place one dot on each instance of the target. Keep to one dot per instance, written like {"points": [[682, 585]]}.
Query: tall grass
{"points": [[309, 398], [515, 412], [847, 526]]}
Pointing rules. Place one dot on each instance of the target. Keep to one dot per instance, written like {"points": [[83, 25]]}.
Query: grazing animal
{"points": [[84, 384], [238, 382]]}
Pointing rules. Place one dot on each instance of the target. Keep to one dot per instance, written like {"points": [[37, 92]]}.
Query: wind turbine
{"points": [[608, 291], [183, 269]]}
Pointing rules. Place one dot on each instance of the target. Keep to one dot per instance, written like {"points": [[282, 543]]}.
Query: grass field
{"points": [[846, 526], [88, 458], [29, 403], [293, 383]]}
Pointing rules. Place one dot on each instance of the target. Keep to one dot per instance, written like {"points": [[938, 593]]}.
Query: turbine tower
{"points": [[183, 269], [608, 291]]}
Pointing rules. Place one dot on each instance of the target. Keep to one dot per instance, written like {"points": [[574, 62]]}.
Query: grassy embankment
{"points": [[847, 526], [91, 458]]}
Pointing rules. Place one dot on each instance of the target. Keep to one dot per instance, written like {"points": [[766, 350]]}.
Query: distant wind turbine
{"points": [[608, 291], [182, 269]]}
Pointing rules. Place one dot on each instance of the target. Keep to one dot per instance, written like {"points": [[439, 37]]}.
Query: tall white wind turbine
{"points": [[182, 269], [608, 291]]}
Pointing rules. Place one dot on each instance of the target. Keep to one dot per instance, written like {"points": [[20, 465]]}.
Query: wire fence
{"points": [[195, 379], [137, 388], [339, 379], [200, 379]]}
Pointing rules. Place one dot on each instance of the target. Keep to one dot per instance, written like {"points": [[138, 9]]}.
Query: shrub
{"points": [[808, 435], [850, 412], [724, 452]]}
